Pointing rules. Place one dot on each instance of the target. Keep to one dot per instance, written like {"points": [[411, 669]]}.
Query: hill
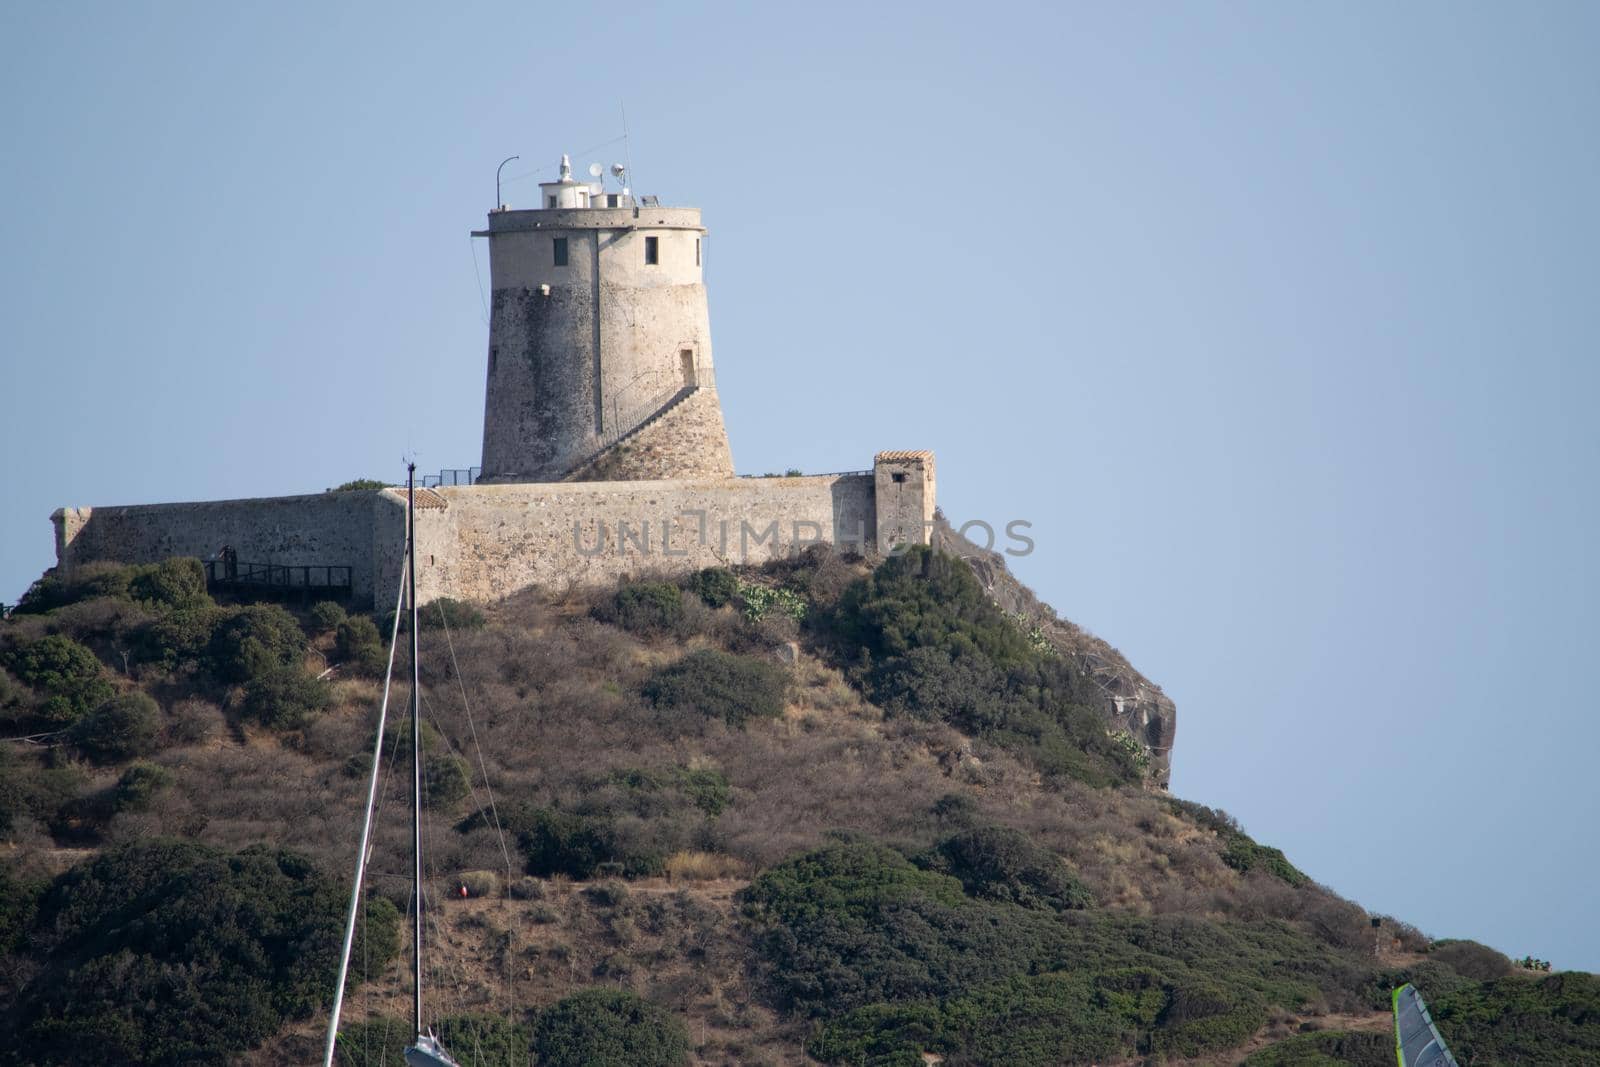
{"points": [[815, 812]]}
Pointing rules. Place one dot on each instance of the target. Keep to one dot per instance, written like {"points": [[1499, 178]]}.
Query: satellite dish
{"points": [[618, 169], [595, 170]]}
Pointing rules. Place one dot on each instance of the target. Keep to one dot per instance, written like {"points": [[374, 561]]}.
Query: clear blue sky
{"points": [[1278, 321]]}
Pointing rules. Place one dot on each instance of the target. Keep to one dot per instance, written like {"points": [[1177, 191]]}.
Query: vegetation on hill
{"points": [[859, 811]]}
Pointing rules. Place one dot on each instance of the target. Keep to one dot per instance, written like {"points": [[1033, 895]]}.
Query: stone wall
{"points": [[495, 539], [483, 542], [325, 529]]}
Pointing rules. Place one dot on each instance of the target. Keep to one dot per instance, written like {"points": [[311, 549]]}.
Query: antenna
{"points": [[627, 151], [596, 170]]}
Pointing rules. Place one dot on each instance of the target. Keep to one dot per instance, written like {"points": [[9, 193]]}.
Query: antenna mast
{"points": [[627, 150]]}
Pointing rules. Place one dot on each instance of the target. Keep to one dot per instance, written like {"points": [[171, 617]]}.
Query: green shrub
{"points": [[19, 900], [759, 601], [359, 645], [173, 584], [578, 846], [658, 790], [716, 586], [360, 485], [139, 786], [327, 614], [1329, 1048], [449, 613], [446, 779], [169, 952], [179, 637], [1554, 1019], [1004, 864], [121, 728], [609, 1028], [644, 608], [922, 640], [1471, 959], [720, 685], [255, 641], [67, 672], [897, 959], [1239, 849], [285, 698]]}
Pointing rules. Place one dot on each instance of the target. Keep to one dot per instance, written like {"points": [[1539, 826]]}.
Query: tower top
{"points": [[567, 192]]}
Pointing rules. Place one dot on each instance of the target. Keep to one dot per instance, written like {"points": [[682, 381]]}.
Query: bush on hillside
{"points": [[359, 645], [1330, 1048], [647, 608], [1002, 864], [609, 1028], [716, 586], [1239, 850], [168, 952], [720, 685], [255, 641], [1471, 960], [66, 672], [121, 728], [179, 638], [922, 640], [285, 698], [171, 585], [327, 614], [896, 959], [446, 780], [581, 846], [1554, 1019], [139, 786]]}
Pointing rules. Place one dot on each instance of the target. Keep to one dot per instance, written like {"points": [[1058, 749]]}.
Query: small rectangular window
{"points": [[898, 476], [697, 251], [559, 246], [652, 250], [552, 202]]}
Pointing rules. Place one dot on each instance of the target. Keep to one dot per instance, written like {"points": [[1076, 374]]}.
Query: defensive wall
{"points": [[483, 542]]}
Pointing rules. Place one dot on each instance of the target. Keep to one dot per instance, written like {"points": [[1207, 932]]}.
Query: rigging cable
{"points": [[366, 833]]}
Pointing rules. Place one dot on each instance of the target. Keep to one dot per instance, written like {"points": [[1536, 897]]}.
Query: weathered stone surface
{"points": [[686, 441]]}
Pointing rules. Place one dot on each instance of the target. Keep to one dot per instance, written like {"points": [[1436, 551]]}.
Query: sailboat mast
{"points": [[416, 752]]}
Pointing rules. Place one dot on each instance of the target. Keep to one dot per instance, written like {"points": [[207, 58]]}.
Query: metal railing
{"points": [[452, 476], [273, 580]]}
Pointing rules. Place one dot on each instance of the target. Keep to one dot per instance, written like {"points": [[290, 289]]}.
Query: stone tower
{"points": [[599, 341]]}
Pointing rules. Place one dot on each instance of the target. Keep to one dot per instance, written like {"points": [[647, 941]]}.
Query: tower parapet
{"points": [[599, 330]]}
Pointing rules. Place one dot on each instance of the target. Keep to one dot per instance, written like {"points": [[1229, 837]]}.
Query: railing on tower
{"points": [[451, 476]]}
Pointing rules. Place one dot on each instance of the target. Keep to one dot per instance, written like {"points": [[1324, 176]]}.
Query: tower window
{"points": [[898, 476], [494, 357], [652, 250], [697, 251], [552, 202], [559, 247]]}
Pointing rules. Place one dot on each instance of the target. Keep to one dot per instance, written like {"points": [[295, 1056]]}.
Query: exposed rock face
{"points": [[1132, 702]]}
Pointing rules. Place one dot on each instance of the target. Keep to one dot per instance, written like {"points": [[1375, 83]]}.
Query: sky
{"points": [[1277, 321]]}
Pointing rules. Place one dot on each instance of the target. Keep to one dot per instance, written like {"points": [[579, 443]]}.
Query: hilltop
{"points": [[816, 811]]}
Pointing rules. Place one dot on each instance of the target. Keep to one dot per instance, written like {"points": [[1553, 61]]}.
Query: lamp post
{"points": [[498, 203]]}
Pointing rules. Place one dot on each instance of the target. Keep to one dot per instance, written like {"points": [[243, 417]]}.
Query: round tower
{"points": [[599, 341]]}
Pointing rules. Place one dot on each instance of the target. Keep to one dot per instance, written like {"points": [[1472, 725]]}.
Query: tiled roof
{"points": [[921, 455]]}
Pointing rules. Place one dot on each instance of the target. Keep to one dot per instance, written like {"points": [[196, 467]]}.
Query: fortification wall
{"points": [[484, 542], [491, 540], [325, 529]]}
